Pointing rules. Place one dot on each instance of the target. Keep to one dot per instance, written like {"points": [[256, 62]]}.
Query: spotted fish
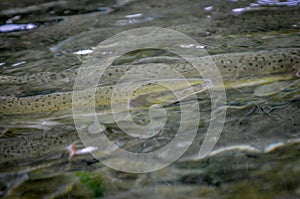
{"points": [[237, 69], [63, 100], [22, 149], [232, 65]]}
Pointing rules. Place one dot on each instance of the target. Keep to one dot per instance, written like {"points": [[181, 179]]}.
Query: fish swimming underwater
{"points": [[237, 69], [63, 100], [232, 65], [30, 148]]}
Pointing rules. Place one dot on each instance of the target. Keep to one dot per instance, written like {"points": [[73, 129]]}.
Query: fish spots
{"points": [[183, 66], [294, 53], [53, 77]]}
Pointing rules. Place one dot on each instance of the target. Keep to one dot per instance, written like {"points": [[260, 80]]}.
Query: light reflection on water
{"points": [[265, 5]]}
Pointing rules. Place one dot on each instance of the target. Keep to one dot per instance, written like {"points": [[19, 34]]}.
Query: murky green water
{"points": [[256, 47]]}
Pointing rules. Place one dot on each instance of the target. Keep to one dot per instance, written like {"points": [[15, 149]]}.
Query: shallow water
{"points": [[257, 154]]}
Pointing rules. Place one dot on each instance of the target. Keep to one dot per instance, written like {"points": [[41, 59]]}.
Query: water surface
{"points": [[257, 155]]}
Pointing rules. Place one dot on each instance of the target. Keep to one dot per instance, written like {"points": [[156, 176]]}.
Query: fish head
{"points": [[200, 85]]}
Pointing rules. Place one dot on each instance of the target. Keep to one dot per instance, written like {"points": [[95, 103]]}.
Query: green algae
{"points": [[93, 182]]}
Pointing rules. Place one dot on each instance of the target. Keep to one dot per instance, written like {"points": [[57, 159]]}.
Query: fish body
{"points": [[63, 100], [231, 65], [237, 69], [24, 149]]}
